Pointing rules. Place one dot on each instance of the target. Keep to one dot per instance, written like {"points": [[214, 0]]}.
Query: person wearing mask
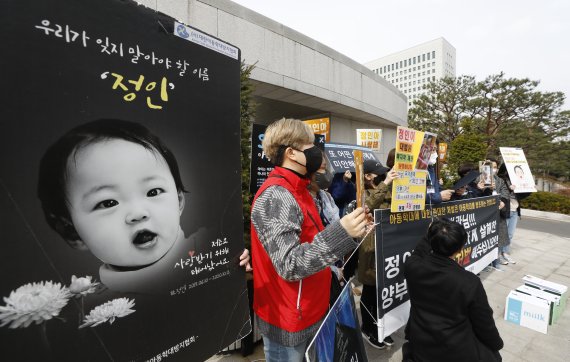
{"points": [[450, 317], [514, 212], [292, 249], [500, 188], [342, 190], [434, 194], [378, 196]]}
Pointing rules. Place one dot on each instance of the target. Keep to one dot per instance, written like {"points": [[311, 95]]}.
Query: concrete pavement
{"points": [[538, 253]]}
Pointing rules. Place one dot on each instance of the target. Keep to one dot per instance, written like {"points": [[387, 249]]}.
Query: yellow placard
{"points": [[409, 190], [442, 152], [321, 126], [371, 138]]}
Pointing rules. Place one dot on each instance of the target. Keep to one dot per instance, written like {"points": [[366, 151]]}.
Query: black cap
{"points": [[372, 166], [467, 179]]}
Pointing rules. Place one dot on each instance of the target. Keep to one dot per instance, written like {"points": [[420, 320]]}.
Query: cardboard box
{"points": [[550, 287], [527, 311], [553, 299]]}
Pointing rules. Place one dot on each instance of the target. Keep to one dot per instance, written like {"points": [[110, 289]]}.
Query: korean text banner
{"points": [[371, 138], [341, 156], [120, 196], [397, 235], [261, 167], [339, 337], [409, 190], [321, 126], [517, 167]]}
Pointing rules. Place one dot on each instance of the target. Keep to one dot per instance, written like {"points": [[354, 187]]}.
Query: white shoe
{"points": [[509, 259]]}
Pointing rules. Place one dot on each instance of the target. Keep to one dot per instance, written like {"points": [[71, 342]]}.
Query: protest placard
{"points": [[122, 227], [339, 337], [341, 156], [409, 190], [398, 233], [321, 126], [261, 167], [517, 167], [370, 138]]}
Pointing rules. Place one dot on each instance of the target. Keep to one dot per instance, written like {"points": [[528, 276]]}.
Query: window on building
{"points": [[433, 54], [433, 77], [401, 64], [424, 66], [414, 60], [423, 57], [428, 56]]}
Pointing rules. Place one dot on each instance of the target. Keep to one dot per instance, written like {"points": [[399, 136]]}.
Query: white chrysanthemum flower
{"points": [[33, 302], [80, 287], [115, 308]]}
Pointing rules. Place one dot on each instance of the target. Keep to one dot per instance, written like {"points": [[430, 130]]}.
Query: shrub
{"points": [[547, 201]]}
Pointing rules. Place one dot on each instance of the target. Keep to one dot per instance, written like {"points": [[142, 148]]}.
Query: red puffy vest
{"points": [[292, 306]]}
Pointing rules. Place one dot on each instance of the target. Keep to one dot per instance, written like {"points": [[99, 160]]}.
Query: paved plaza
{"points": [[542, 254]]}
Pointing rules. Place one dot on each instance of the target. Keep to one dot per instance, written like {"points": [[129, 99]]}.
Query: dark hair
{"points": [[493, 160], [465, 167], [391, 158], [53, 165], [446, 237]]}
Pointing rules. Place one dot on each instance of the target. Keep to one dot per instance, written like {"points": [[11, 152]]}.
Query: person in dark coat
{"points": [[450, 317]]}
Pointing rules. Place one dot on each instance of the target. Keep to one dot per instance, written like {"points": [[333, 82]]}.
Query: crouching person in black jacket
{"points": [[450, 316]]}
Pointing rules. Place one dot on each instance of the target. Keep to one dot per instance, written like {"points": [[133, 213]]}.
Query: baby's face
{"points": [[123, 202]]}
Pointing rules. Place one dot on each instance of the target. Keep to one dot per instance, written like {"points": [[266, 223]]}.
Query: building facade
{"points": [[411, 69], [296, 76]]}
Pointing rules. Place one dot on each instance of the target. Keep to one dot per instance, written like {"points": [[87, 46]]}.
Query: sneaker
{"points": [[388, 341], [373, 341], [497, 268], [509, 259], [503, 261]]}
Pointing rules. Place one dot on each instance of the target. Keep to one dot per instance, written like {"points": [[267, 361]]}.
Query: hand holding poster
{"points": [[517, 167], [409, 190], [397, 235]]}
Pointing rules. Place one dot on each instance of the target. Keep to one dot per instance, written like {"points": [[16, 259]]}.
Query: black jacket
{"points": [[450, 316]]}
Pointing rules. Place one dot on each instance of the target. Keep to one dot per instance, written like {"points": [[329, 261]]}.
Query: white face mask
{"points": [[432, 159], [495, 171]]}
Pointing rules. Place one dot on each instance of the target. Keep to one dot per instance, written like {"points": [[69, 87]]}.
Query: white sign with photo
{"points": [[518, 169]]}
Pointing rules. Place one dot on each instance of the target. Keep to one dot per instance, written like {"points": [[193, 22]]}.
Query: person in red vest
{"points": [[291, 250]]}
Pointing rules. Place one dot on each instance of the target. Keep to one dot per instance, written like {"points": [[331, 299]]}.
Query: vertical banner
{"points": [[359, 166], [120, 197], [371, 138], [260, 164], [518, 169], [409, 190], [442, 152], [397, 234], [339, 338], [341, 156], [321, 126]]}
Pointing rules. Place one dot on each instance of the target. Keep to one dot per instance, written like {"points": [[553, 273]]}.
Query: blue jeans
{"points": [[276, 352], [511, 226]]}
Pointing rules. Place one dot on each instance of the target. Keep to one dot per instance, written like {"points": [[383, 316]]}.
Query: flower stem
{"points": [[44, 338]]}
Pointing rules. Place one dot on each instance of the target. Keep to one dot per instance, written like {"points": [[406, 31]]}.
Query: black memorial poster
{"points": [[261, 167], [120, 197], [397, 234], [341, 156]]}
